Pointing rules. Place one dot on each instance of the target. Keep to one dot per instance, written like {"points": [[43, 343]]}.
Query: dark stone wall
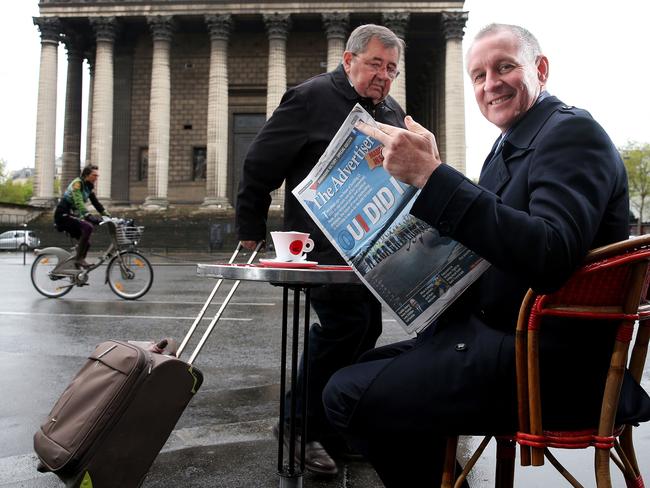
{"points": [[176, 230], [190, 66], [122, 123]]}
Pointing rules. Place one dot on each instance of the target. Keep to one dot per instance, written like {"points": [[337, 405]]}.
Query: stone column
{"points": [[162, 28], [102, 114], [219, 27], [72, 119], [336, 28], [277, 26], [50, 29], [398, 22], [90, 57], [454, 149]]}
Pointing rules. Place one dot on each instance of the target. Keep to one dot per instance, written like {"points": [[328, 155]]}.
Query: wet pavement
{"points": [[224, 437]]}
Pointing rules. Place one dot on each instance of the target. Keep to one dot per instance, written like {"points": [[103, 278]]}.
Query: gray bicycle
{"points": [[128, 273]]}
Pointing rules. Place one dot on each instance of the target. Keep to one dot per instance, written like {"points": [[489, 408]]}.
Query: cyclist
{"points": [[72, 216]]}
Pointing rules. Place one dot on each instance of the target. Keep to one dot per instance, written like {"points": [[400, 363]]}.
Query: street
{"points": [[224, 437], [43, 342]]}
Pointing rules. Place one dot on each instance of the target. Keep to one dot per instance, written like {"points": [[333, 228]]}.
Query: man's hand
{"points": [[251, 245], [409, 155], [92, 219]]}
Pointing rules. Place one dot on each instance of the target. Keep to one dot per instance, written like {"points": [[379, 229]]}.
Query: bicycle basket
{"points": [[128, 234]]}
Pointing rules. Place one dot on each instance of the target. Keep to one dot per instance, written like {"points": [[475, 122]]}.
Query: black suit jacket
{"points": [[288, 147]]}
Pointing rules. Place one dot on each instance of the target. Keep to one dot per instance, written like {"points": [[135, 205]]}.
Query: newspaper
{"points": [[413, 271]]}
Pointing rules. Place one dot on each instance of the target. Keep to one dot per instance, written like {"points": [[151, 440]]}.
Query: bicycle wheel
{"points": [[46, 284], [129, 275]]}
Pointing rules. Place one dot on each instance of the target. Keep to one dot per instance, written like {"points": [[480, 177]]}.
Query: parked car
{"points": [[17, 240]]}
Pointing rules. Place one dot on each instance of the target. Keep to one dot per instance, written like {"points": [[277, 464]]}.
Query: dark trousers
{"points": [[77, 228], [399, 402], [350, 323]]}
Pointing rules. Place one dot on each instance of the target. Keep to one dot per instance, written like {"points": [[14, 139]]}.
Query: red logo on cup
{"points": [[295, 247]]}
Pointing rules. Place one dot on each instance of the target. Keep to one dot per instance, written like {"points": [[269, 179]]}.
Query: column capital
{"points": [[74, 43], [336, 25], [453, 24], [89, 54], [50, 28], [277, 25], [105, 28], [219, 26], [398, 22], [162, 27]]}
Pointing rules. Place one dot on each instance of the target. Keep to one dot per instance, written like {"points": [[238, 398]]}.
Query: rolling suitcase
{"points": [[110, 423]]}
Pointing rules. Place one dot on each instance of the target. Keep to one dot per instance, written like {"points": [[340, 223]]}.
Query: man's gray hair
{"points": [[528, 43], [362, 35]]}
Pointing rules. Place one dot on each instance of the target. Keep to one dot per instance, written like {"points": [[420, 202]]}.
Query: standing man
{"points": [[72, 216], [552, 188], [285, 150]]}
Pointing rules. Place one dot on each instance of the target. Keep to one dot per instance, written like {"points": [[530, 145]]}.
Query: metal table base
{"points": [[296, 280]]}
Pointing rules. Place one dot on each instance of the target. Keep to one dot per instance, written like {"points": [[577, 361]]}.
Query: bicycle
{"points": [[129, 274]]}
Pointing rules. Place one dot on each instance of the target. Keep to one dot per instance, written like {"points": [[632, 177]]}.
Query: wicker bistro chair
{"points": [[611, 285]]}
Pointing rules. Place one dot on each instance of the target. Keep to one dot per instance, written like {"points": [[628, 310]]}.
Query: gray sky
{"points": [[597, 50], [19, 59], [598, 60]]}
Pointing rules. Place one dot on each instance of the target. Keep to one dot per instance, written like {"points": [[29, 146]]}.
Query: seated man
{"points": [[553, 188], [72, 216]]}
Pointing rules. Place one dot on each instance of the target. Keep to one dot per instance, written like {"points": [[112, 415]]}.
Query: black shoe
{"points": [[347, 453], [339, 449], [316, 458]]}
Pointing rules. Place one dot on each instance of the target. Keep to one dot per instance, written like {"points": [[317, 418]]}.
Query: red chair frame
{"points": [[612, 284]]}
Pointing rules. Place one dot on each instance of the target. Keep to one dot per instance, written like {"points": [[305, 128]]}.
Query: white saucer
{"points": [[276, 263]]}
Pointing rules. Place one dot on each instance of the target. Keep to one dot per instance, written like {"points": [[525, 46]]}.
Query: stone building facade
{"points": [[179, 88]]}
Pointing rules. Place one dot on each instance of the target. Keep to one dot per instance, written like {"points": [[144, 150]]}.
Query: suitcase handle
{"points": [[216, 318]]}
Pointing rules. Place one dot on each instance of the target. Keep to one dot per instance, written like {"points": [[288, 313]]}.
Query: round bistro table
{"points": [[296, 280]]}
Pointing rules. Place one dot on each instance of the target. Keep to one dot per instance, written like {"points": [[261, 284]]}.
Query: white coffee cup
{"points": [[291, 246]]}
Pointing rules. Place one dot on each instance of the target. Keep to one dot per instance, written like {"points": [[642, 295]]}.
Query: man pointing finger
{"points": [[409, 155]]}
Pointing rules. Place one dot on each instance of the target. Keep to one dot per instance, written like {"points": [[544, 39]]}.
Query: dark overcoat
{"points": [[556, 189], [288, 147]]}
